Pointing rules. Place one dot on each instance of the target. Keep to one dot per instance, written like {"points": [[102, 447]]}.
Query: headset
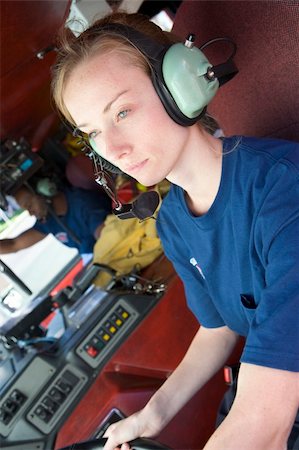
{"points": [[182, 76], [46, 187]]}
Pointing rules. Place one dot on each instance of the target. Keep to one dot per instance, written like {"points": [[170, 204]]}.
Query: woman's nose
{"points": [[116, 146]]}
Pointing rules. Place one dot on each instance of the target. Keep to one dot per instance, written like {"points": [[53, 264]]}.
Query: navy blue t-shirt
{"points": [[86, 211], [239, 262]]}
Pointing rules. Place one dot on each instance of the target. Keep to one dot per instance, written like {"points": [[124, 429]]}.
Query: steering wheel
{"points": [[98, 444]]}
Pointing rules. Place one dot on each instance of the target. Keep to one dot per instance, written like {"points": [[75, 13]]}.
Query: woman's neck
{"points": [[198, 170]]}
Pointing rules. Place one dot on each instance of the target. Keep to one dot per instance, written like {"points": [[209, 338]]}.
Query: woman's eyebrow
{"points": [[107, 107]]}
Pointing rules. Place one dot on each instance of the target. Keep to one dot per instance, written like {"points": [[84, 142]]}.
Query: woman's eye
{"points": [[92, 135], [122, 114]]}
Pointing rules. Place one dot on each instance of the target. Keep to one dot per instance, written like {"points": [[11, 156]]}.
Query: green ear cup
{"points": [[184, 71], [46, 187], [99, 161], [93, 145]]}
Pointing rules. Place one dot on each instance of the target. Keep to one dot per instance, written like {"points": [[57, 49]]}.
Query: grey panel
{"points": [[30, 382], [44, 416], [94, 360]]}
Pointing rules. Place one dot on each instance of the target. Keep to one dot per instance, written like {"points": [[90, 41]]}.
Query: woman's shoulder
{"points": [[175, 196], [172, 205], [270, 148]]}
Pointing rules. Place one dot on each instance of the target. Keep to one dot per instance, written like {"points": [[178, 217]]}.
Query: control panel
{"points": [[107, 333], [57, 397], [40, 387], [26, 387]]}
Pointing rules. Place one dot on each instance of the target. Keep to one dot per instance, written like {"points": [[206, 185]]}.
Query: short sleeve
{"points": [[273, 338]]}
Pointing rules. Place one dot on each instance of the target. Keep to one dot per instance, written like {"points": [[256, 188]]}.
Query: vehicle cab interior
{"points": [[76, 354]]}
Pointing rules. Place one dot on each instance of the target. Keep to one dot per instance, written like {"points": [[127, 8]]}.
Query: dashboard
{"points": [[41, 383], [114, 349]]}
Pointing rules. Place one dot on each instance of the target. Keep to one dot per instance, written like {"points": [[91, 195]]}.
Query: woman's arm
{"points": [[207, 353], [263, 412]]}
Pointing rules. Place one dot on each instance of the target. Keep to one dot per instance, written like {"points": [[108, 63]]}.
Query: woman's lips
{"points": [[136, 166]]}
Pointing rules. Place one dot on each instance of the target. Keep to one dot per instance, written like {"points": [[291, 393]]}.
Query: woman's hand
{"points": [[212, 346], [138, 425]]}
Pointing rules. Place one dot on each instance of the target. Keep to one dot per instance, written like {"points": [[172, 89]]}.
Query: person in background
{"points": [[74, 216], [230, 225]]}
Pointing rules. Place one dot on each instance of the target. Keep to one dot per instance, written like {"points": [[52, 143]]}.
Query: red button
{"points": [[228, 376], [92, 351]]}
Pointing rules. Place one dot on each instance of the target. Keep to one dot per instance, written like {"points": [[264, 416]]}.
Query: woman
{"points": [[229, 225]]}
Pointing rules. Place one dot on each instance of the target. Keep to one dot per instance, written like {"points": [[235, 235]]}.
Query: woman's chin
{"points": [[148, 181]]}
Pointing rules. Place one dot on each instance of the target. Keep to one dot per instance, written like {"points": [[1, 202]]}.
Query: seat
{"points": [[262, 100]]}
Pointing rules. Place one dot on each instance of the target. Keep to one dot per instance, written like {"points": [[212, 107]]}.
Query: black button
{"points": [[10, 406], [56, 395], [70, 378], [5, 417], [50, 405], [64, 387], [18, 397], [42, 413]]}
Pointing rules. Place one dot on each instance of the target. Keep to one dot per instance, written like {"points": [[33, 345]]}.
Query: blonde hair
{"points": [[73, 51]]}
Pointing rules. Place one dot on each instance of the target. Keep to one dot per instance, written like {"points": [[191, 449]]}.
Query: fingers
{"points": [[120, 433], [125, 446], [117, 435], [110, 446]]}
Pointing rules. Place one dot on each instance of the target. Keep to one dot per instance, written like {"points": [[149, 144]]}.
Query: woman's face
{"points": [[115, 104]]}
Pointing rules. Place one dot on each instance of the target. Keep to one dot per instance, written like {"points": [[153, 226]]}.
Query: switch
{"points": [[17, 397], [56, 395], [91, 351], [42, 413], [50, 405], [123, 313], [110, 327], [97, 343], [63, 386], [10, 406], [70, 378], [5, 417], [103, 335], [116, 320]]}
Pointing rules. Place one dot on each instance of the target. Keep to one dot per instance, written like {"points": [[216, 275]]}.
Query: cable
{"points": [[219, 39]]}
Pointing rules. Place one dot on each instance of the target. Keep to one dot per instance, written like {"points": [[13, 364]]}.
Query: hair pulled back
{"points": [[73, 51]]}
